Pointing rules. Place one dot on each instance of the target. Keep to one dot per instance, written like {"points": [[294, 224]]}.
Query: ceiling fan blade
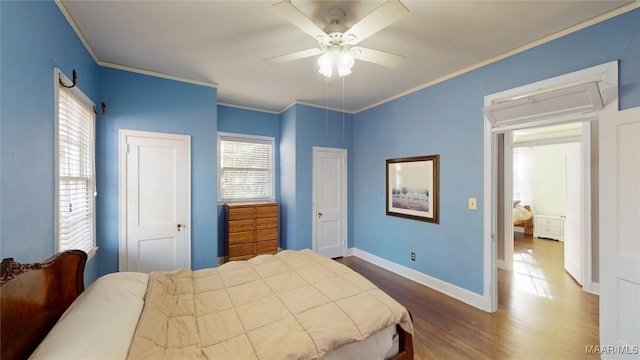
{"points": [[385, 15], [293, 56], [378, 57], [290, 13]]}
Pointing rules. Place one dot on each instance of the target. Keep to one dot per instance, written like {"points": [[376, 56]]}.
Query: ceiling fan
{"points": [[336, 41]]}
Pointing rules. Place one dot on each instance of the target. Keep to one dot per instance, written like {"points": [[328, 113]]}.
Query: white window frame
{"points": [[252, 139], [88, 246]]}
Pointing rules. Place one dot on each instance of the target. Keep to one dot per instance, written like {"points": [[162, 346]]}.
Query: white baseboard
{"points": [[501, 264], [593, 289], [468, 297]]}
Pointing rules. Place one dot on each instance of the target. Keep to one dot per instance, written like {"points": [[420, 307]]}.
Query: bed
{"points": [[523, 217], [333, 312]]}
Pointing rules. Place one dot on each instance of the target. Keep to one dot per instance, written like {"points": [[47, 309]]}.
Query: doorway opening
{"points": [[518, 109], [545, 171]]}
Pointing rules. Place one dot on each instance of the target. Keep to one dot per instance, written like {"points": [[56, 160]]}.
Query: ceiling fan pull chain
{"points": [[326, 106], [343, 108]]}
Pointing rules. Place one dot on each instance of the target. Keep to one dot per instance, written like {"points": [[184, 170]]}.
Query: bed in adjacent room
{"points": [[292, 305], [523, 217]]}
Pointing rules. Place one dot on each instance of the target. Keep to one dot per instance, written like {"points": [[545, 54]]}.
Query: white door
{"points": [[330, 204], [573, 237], [620, 233], [155, 208]]}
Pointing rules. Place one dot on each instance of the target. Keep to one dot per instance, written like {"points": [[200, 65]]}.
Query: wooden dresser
{"points": [[251, 229]]}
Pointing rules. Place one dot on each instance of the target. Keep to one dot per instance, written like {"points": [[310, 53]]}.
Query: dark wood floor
{"points": [[543, 313]]}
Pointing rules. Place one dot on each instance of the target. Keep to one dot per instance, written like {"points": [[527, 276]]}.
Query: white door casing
{"points": [[608, 81], [620, 234], [507, 196], [573, 236], [329, 199], [154, 201]]}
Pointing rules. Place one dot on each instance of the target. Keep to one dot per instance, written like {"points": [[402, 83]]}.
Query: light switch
{"points": [[473, 204]]}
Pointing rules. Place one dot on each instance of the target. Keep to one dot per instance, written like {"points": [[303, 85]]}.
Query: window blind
{"points": [[76, 176], [246, 168]]}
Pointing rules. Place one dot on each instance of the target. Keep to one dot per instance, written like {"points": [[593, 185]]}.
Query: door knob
{"points": [[319, 215], [179, 226]]}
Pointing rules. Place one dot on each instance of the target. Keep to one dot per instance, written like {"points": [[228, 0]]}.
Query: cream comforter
{"points": [[293, 305], [521, 214]]}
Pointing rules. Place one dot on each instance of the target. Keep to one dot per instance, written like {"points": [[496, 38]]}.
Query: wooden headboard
{"points": [[34, 296]]}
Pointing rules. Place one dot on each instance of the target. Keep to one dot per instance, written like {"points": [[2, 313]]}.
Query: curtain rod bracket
{"points": [[104, 109], [75, 80]]}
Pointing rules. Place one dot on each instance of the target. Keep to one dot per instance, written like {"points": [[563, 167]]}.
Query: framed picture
{"points": [[413, 189]]}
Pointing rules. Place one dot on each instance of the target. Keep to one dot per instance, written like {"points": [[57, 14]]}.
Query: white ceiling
{"points": [[223, 43]]}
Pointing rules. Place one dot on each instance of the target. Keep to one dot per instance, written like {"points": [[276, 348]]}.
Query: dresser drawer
{"points": [[549, 226], [239, 258], [267, 223], [241, 225], [546, 221], [241, 213], [544, 231], [267, 234], [240, 250], [267, 247], [241, 237], [267, 211]]}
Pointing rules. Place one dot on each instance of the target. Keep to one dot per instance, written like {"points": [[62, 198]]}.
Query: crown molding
{"points": [[299, 102], [99, 62], [221, 103], [611, 14], [585, 24], [157, 74], [76, 29]]}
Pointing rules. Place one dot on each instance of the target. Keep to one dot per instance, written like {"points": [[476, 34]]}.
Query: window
{"points": [[75, 170], [245, 167]]}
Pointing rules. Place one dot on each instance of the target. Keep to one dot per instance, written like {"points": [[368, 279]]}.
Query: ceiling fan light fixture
{"points": [[345, 62], [325, 62], [336, 57], [337, 42]]}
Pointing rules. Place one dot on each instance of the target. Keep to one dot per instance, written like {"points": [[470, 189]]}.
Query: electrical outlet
{"points": [[413, 256]]}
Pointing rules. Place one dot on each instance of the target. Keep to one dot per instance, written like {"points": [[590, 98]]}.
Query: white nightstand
{"points": [[548, 226]]}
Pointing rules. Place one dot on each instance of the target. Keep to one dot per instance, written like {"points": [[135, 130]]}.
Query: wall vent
{"points": [[545, 104]]}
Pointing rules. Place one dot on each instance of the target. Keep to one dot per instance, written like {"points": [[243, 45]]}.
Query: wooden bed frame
{"points": [[405, 344], [34, 296], [527, 224]]}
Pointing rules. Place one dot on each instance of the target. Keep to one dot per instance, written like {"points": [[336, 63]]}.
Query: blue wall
{"points": [[288, 178], [447, 119], [141, 102], [304, 127], [248, 122], [252, 122], [35, 38], [443, 119]]}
